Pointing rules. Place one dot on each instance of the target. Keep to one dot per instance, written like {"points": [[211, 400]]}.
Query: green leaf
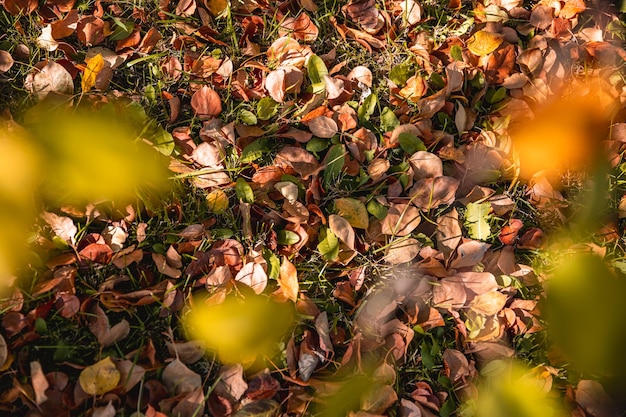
{"points": [[253, 151], [247, 117], [335, 159], [222, 233], [367, 108], [456, 53], [244, 191], [287, 237], [317, 144], [494, 96], [266, 108], [400, 73], [273, 263], [163, 141], [410, 143], [376, 209], [388, 120], [328, 244], [317, 69], [476, 220]]}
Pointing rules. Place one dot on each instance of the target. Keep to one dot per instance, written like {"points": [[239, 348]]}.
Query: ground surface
{"points": [[312, 208]]}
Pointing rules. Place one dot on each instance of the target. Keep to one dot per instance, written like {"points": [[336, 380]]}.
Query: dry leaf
{"points": [[402, 250], [254, 276], [206, 102], [354, 211], [100, 377], [401, 220], [483, 42], [323, 127], [180, 379], [300, 27], [49, 77], [62, 227], [426, 165], [342, 229], [6, 61], [288, 280], [489, 303], [40, 383], [93, 68]]}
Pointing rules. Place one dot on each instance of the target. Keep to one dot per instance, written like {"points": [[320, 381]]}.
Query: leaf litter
{"points": [[364, 207]]}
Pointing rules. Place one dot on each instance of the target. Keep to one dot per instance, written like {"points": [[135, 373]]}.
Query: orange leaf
{"points": [[483, 42], [206, 102], [288, 280]]}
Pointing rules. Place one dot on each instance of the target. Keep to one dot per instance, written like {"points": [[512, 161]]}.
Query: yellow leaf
{"points": [[483, 42], [93, 68], [414, 89], [353, 211], [288, 280], [216, 7], [217, 200], [99, 378]]}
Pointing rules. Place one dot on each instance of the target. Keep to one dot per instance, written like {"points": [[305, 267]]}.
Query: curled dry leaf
{"points": [[206, 102], [49, 77], [91, 30], [6, 61], [62, 226], [46, 40], [361, 75], [300, 27], [254, 276], [378, 168]]}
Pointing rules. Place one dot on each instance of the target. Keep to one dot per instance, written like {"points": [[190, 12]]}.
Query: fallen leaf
{"points": [[39, 381], [489, 303], [180, 379], [100, 377], [288, 280], [342, 229], [401, 220], [188, 352], [254, 276], [402, 250], [300, 27], [426, 165], [62, 227], [130, 374], [323, 127], [206, 102], [508, 234], [49, 77], [93, 68], [6, 61], [354, 211], [476, 220], [483, 42]]}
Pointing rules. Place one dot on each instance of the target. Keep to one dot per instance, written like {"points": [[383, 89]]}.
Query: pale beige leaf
{"points": [[254, 276], [48, 77], [130, 374], [342, 229], [426, 165], [62, 226], [208, 155], [401, 220], [378, 168], [361, 75], [188, 352], [275, 85], [40, 383], [6, 61]]}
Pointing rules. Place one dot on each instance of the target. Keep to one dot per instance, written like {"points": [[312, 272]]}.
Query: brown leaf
{"points": [[429, 193], [448, 233], [232, 384], [188, 352], [457, 366], [365, 14], [6, 61], [39, 381], [97, 252], [402, 250], [4, 351], [288, 280], [300, 27], [180, 379], [130, 374], [66, 26], [361, 75], [299, 159], [342, 229], [489, 303], [541, 16], [414, 89], [91, 30], [469, 254], [185, 8], [592, 397], [323, 127], [20, 7], [208, 155], [401, 220], [106, 335], [508, 234], [206, 102], [149, 41], [484, 42], [160, 261], [426, 165]]}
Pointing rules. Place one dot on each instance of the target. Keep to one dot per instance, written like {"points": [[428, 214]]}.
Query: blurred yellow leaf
{"points": [[94, 66], [99, 378], [483, 42], [240, 329], [216, 7]]}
